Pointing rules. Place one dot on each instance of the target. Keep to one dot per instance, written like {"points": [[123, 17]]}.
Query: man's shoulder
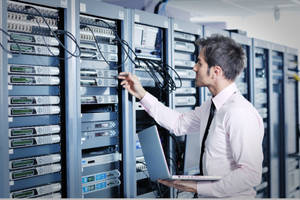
{"points": [[238, 104]]}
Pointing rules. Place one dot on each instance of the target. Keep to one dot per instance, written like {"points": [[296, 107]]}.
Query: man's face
{"points": [[201, 67]]}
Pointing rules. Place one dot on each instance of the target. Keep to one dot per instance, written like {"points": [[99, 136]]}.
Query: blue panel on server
{"points": [[34, 101]]}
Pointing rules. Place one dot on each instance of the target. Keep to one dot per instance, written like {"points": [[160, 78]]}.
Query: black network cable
{"points": [[47, 45], [160, 67], [178, 152], [151, 72], [120, 41], [153, 75], [56, 32], [14, 41], [172, 84], [82, 26], [97, 45], [157, 7], [159, 71]]}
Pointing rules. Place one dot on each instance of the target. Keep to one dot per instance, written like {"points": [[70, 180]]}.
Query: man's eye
{"points": [[197, 61]]}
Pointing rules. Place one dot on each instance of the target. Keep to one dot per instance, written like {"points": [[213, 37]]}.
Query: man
{"points": [[230, 127]]}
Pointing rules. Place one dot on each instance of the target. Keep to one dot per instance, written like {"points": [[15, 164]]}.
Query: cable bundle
{"points": [[55, 34], [158, 70]]}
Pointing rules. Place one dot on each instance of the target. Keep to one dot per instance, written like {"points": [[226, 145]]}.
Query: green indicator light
{"points": [[22, 38], [23, 48], [23, 194], [90, 179], [21, 132], [21, 80], [22, 69], [22, 174], [22, 163], [21, 100], [21, 111], [22, 142]]}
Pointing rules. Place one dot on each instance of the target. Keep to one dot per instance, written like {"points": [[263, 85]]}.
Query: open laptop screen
{"points": [[192, 154], [154, 154]]}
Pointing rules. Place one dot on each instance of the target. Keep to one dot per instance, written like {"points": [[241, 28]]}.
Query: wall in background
{"points": [[285, 31]]}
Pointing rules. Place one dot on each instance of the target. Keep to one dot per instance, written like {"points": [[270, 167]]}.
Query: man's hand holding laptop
{"points": [[187, 186]]}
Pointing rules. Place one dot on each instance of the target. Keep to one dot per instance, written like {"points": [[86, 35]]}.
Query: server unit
{"points": [[150, 43], [185, 54], [101, 99], [290, 149], [35, 101]]}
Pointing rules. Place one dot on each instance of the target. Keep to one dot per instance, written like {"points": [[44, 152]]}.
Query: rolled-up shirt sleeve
{"points": [[176, 122], [245, 132]]}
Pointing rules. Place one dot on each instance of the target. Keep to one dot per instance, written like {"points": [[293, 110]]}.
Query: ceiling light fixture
{"points": [[276, 13]]}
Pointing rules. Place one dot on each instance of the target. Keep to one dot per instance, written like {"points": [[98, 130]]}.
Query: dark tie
{"points": [[211, 115]]}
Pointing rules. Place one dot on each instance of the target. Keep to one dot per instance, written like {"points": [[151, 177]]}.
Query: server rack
{"points": [[150, 42], [276, 66], [261, 101], [290, 136], [185, 53], [102, 27], [187, 97], [4, 177], [32, 86], [244, 80], [207, 32]]}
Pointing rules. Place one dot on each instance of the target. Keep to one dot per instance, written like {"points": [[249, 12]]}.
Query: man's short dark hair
{"points": [[224, 52]]}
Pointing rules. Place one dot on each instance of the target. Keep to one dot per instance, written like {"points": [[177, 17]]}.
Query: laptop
{"points": [[156, 161]]}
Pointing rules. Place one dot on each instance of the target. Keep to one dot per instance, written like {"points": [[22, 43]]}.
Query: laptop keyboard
{"points": [[193, 177]]}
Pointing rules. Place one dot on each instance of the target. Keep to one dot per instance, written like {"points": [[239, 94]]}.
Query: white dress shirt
{"points": [[233, 148]]}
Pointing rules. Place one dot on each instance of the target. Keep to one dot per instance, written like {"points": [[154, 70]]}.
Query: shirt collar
{"points": [[224, 95]]}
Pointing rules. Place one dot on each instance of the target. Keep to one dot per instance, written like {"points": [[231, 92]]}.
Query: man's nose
{"points": [[195, 68]]}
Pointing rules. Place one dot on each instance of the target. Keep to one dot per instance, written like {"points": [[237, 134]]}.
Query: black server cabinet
{"points": [[261, 99], [291, 124]]}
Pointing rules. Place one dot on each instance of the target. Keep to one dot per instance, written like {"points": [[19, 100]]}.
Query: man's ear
{"points": [[218, 71]]}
